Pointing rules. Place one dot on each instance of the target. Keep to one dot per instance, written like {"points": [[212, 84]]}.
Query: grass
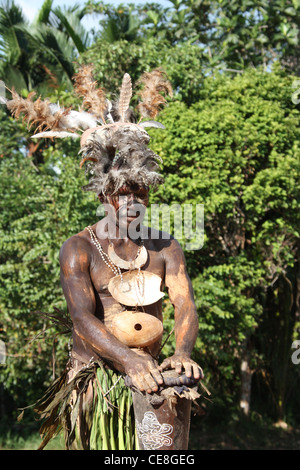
{"points": [[14, 441]]}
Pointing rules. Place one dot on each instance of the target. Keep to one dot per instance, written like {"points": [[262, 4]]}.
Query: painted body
{"points": [[85, 278]]}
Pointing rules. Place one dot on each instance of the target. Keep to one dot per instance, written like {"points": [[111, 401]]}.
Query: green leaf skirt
{"points": [[93, 408]]}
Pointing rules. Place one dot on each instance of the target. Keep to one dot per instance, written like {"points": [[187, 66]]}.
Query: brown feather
{"points": [[86, 159], [93, 96], [155, 86], [37, 113], [125, 96]]}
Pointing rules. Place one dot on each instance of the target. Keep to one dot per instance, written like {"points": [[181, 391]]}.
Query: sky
{"points": [[31, 7]]}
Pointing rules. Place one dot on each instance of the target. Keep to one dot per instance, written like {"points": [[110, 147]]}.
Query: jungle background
{"points": [[232, 143]]}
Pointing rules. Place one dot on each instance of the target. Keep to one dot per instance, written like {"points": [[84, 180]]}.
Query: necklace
{"points": [[140, 259], [134, 287], [134, 328], [116, 270], [124, 285]]}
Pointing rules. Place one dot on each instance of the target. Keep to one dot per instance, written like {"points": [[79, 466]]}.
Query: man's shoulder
{"points": [[162, 240], [77, 244]]}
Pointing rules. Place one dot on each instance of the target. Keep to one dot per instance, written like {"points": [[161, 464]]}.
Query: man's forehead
{"points": [[134, 188]]}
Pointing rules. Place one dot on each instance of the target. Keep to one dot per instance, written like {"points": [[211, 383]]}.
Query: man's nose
{"points": [[126, 199], [131, 199]]}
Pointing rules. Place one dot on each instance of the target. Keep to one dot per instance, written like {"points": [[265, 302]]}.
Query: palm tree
{"points": [[33, 53], [15, 50], [120, 23]]}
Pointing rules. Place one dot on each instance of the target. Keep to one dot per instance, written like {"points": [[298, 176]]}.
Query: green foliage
{"points": [[40, 208], [39, 55], [230, 34], [237, 152], [182, 64]]}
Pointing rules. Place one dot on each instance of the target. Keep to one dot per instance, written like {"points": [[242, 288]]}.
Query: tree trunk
{"points": [[246, 378]]}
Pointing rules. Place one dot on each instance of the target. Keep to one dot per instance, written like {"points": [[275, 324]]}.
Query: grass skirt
{"points": [[92, 406]]}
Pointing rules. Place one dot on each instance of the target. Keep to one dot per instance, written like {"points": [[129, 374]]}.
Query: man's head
{"points": [[125, 209]]}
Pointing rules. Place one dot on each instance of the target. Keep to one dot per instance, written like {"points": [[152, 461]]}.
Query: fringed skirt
{"points": [[92, 406]]}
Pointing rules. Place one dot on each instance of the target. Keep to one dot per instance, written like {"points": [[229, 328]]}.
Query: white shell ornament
{"points": [[136, 288], [136, 329], [139, 261]]}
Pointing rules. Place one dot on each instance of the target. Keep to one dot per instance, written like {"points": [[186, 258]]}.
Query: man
{"points": [[85, 277], [113, 282]]}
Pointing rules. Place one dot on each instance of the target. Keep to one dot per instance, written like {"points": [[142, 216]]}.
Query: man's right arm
{"points": [[75, 261]]}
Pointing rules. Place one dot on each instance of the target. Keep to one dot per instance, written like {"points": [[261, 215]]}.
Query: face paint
{"points": [[129, 196], [129, 203]]}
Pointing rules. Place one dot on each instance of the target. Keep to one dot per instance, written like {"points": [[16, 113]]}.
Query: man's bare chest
{"points": [[102, 271]]}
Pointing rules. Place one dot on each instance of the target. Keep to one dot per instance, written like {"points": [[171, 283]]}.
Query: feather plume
{"points": [[121, 157], [57, 134], [115, 113], [155, 85], [91, 159], [38, 113], [125, 96], [93, 96], [48, 116], [108, 116], [152, 124], [78, 120]]}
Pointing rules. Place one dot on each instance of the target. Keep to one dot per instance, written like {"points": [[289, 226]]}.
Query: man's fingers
{"points": [[193, 370], [187, 368], [147, 378], [150, 384], [166, 364], [183, 365], [156, 375], [198, 372], [137, 381], [177, 366]]}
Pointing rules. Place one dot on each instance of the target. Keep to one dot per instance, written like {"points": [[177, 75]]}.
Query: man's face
{"points": [[128, 206]]}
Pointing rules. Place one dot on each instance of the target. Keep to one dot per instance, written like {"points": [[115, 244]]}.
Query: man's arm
{"points": [[181, 296], [75, 260]]}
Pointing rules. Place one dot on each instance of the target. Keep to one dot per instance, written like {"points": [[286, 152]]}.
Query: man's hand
{"points": [[144, 372], [182, 363]]}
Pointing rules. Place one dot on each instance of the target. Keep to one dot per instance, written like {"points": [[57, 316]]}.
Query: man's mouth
{"points": [[132, 216]]}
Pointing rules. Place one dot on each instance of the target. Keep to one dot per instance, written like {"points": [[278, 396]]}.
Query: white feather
{"points": [[54, 108], [74, 119], [152, 124], [108, 115], [78, 120], [60, 134]]}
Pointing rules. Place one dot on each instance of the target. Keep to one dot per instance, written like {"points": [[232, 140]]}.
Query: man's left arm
{"points": [[181, 295]]}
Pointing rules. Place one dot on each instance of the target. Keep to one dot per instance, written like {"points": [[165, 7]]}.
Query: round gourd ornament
{"points": [[136, 329]]}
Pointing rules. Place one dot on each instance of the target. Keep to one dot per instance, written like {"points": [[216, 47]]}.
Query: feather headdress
{"points": [[112, 142]]}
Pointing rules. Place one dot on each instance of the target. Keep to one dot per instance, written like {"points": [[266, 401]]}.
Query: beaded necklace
{"points": [[106, 259], [125, 286]]}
